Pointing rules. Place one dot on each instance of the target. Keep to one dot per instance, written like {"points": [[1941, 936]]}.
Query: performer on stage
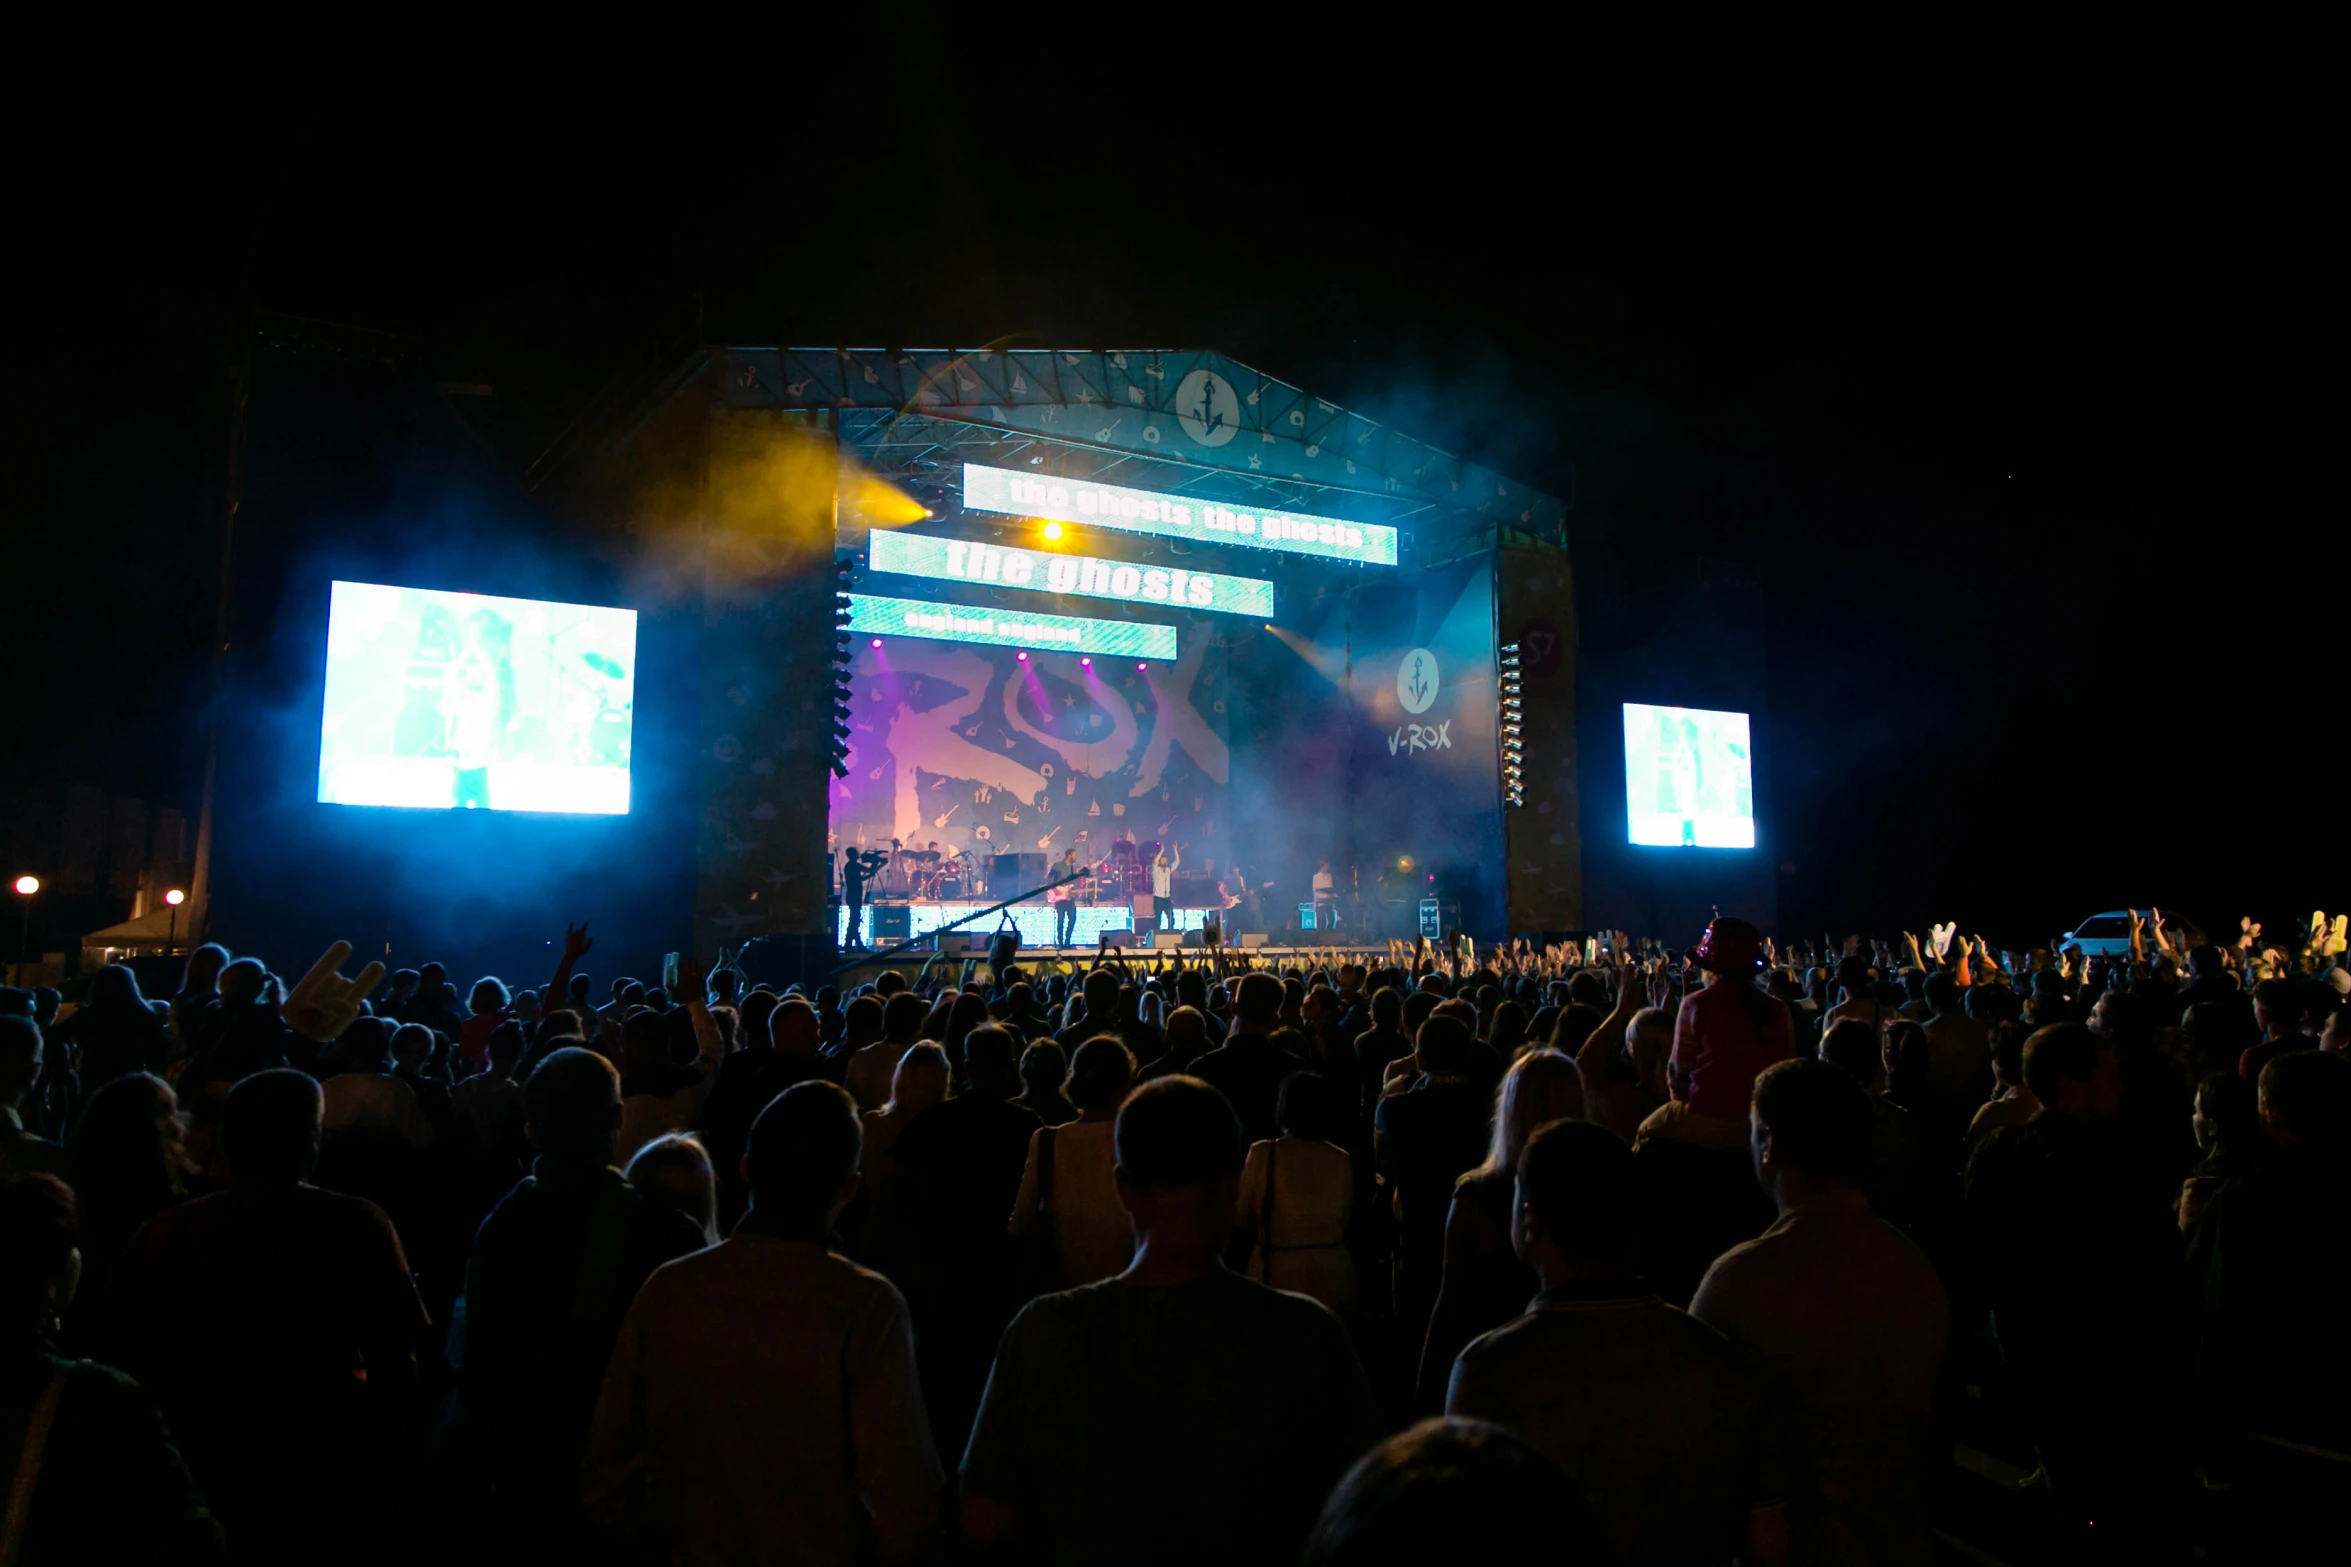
{"points": [[857, 868], [1065, 900], [1163, 872]]}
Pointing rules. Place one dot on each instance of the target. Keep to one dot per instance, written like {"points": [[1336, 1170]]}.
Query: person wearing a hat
{"points": [[1724, 1035]]}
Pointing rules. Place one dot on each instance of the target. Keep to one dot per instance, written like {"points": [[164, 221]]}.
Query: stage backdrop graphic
{"points": [[441, 700], [978, 750], [1424, 774]]}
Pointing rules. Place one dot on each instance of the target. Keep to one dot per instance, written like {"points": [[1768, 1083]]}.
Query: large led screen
{"points": [[1174, 516], [891, 617], [461, 701], [1044, 571], [1689, 778]]}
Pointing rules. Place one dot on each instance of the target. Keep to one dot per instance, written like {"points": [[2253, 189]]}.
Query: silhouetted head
{"points": [[571, 1105], [1455, 1491], [801, 1156], [269, 1128]]}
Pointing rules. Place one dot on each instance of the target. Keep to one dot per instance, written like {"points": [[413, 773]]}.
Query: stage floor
{"points": [[858, 968], [1034, 921]]}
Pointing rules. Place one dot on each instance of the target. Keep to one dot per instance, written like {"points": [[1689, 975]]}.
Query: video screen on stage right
{"points": [[1689, 778]]}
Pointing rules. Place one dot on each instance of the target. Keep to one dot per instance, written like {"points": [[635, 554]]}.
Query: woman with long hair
{"points": [[965, 1012], [1298, 1195], [199, 984], [883, 1225], [116, 1033], [1484, 1284], [1067, 1213]]}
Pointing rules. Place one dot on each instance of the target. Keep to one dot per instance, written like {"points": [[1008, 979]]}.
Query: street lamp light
{"points": [[174, 898], [26, 886]]}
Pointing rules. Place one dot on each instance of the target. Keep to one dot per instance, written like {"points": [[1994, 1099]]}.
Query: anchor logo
{"points": [[1207, 409]]}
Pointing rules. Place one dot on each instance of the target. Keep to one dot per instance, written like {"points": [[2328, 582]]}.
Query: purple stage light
{"points": [[877, 642], [1024, 658], [1086, 662], [1139, 664]]}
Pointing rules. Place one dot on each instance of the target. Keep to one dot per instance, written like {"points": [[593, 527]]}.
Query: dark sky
{"points": [[2016, 415]]}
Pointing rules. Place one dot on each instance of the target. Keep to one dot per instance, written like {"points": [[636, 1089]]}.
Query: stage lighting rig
{"points": [[844, 577], [1513, 725]]}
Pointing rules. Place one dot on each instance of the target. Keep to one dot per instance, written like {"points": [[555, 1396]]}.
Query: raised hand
{"points": [[324, 1002]]}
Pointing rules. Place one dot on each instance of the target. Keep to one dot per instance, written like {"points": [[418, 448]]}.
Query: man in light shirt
{"points": [[1845, 1316], [1163, 872], [762, 1403]]}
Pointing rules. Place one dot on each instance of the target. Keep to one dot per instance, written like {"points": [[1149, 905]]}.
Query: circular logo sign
{"points": [[1416, 680], [1207, 408]]}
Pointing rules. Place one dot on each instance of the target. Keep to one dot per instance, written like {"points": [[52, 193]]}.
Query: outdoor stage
{"points": [[981, 609]]}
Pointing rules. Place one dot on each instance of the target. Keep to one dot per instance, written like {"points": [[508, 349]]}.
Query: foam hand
{"points": [[2339, 936], [324, 1002], [1942, 934]]}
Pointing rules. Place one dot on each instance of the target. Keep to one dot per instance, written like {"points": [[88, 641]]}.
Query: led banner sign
{"points": [[887, 617], [1174, 516], [953, 560]]}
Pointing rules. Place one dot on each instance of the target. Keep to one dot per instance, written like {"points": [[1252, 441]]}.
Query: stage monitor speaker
{"points": [[1254, 938], [1144, 907], [1119, 938], [1166, 940], [892, 922], [788, 960], [958, 941]]}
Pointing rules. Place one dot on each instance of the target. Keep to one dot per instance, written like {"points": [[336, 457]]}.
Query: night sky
{"points": [[2017, 421]]}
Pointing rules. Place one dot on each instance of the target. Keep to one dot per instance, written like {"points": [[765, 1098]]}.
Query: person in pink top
{"points": [[1723, 1036]]}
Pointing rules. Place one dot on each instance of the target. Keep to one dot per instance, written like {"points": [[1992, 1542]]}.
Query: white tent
{"points": [[149, 932]]}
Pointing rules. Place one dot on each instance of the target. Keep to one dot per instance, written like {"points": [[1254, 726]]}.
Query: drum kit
{"points": [[932, 873]]}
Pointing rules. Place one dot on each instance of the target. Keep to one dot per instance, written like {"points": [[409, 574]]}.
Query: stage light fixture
{"points": [[1510, 687], [1024, 658], [1087, 662], [1052, 532], [877, 642], [26, 886], [1139, 664], [175, 897]]}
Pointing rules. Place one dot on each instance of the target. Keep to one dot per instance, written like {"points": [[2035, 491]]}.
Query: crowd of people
{"points": [[1608, 1251]]}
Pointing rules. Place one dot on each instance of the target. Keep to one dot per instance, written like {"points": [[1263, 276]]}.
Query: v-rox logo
{"points": [[1421, 737], [1207, 408], [1416, 680]]}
